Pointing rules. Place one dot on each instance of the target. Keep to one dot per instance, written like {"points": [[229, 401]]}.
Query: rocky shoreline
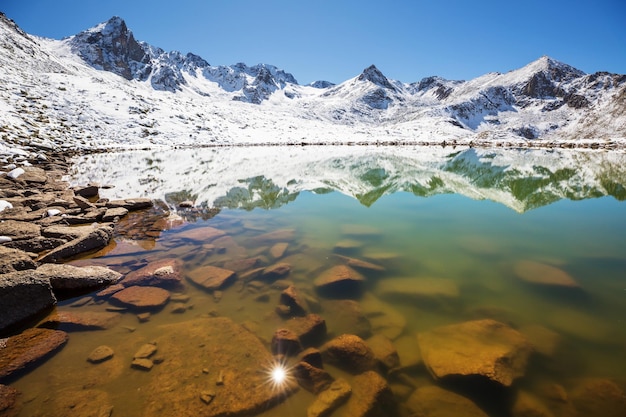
{"points": [[44, 221]]}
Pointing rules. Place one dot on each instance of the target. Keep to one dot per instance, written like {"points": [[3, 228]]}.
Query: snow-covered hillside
{"points": [[102, 88]]}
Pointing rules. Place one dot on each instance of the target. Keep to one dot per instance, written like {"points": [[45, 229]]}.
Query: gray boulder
{"points": [[23, 295], [68, 277]]}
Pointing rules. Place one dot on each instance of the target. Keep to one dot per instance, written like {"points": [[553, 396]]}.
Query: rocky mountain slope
{"points": [[102, 88]]}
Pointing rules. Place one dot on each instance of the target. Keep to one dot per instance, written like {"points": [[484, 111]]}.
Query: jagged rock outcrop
{"points": [[110, 46]]}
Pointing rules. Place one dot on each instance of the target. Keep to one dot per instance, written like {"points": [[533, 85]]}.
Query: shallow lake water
{"points": [[531, 239]]}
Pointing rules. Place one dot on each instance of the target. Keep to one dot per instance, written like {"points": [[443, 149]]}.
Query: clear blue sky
{"points": [[335, 40]]}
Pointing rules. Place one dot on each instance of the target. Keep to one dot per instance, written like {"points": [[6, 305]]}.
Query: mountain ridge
{"points": [[542, 102]]}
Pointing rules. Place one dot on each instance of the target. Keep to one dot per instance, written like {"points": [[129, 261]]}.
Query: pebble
{"points": [[178, 308], [143, 317], [207, 396], [100, 354], [142, 364]]}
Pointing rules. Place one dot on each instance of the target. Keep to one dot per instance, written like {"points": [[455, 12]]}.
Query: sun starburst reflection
{"points": [[279, 375]]}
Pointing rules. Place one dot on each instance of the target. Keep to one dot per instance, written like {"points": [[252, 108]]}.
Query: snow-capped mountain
{"points": [[111, 47], [102, 88]]}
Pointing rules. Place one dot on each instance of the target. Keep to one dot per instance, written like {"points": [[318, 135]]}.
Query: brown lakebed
{"points": [[427, 304]]}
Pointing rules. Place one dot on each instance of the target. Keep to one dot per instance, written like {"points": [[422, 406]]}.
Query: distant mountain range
{"points": [[102, 88]]}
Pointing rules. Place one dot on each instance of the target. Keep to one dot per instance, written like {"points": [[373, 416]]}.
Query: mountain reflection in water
{"points": [[270, 177]]}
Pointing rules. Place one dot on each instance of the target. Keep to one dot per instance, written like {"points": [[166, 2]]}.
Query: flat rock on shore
{"points": [[68, 277]]}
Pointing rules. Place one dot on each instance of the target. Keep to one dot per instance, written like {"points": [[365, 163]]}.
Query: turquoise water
{"points": [[473, 245]]}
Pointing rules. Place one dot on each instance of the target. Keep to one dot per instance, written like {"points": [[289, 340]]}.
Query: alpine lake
{"points": [[354, 281]]}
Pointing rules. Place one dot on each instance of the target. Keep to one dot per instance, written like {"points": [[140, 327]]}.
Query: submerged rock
{"points": [[330, 399], [22, 351], [276, 271], [142, 364], [282, 235], [428, 290], [80, 403], [348, 246], [142, 297], [339, 279], [599, 397], [278, 250], [432, 401], [212, 345], [211, 278], [297, 304], [384, 351], [346, 316], [383, 317], [285, 342], [100, 354], [371, 397], [408, 351], [310, 329], [544, 340], [527, 405], [82, 320], [204, 234], [311, 356], [241, 265], [350, 353], [145, 351], [312, 378], [8, 399], [542, 274], [482, 347], [161, 273], [360, 264]]}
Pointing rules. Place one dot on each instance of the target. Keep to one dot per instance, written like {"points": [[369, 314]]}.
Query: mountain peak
{"points": [[112, 47], [114, 26], [557, 70], [373, 75], [545, 75]]}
